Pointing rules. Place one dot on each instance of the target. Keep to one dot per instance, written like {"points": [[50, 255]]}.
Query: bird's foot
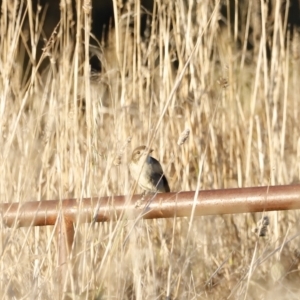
{"points": [[141, 201], [138, 203]]}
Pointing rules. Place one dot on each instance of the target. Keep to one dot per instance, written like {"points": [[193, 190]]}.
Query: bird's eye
{"points": [[138, 152]]}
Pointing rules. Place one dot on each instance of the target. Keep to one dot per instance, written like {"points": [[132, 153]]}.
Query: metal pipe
{"points": [[65, 237], [164, 205]]}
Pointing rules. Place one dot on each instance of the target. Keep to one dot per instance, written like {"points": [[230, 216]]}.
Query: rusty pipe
{"points": [[164, 205], [65, 237]]}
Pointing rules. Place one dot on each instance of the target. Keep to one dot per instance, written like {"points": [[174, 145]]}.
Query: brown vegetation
{"points": [[63, 132]]}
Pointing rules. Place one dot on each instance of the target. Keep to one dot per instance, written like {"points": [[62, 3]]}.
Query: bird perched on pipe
{"points": [[147, 171]]}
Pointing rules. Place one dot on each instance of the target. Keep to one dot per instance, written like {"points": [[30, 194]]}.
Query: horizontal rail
{"points": [[164, 205]]}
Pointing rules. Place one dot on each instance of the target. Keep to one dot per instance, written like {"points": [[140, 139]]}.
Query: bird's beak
{"points": [[148, 150]]}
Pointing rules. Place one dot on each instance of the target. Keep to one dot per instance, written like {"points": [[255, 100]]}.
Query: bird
{"points": [[147, 171]]}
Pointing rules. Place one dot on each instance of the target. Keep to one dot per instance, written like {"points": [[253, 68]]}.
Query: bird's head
{"points": [[140, 153]]}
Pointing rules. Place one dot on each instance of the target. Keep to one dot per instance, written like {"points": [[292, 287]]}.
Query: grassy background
{"points": [[68, 134]]}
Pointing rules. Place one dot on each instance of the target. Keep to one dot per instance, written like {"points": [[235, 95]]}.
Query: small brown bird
{"points": [[147, 171]]}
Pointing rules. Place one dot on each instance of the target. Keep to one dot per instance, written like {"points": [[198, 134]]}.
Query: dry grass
{"points": [[242, 115]]}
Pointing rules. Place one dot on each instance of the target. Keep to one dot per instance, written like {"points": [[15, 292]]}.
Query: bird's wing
{"points": [[160, 181], [156, 167]]}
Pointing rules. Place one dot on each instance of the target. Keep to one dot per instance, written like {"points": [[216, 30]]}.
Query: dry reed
{"points": [[243, 132]]}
